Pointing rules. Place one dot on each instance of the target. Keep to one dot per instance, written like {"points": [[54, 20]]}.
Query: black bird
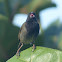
{"points": [[29, 31]]}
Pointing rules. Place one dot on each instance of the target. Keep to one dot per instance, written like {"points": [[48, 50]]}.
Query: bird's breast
{"points": [[32, 29]]}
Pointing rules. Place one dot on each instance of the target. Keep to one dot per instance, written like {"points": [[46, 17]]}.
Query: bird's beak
{"points": [[32, 15]]}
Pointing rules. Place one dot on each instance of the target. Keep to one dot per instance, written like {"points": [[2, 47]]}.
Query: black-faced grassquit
{"points": [[29, 31]]}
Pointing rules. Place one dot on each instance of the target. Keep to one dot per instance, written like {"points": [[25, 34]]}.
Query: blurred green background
{"points": [[50, 37]]}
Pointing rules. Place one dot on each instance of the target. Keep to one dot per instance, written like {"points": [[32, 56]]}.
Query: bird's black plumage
{"points": [[32, 29], [29, 31]]}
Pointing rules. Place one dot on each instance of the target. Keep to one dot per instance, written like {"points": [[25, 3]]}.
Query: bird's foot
{"points": [[17, 54], [33, 48]]}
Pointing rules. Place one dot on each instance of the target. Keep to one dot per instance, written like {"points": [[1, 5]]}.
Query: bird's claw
{"points": [[33, 49], [17, 54]]}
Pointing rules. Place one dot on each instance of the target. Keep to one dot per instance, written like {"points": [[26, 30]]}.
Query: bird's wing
{"points": [[21, 30]]}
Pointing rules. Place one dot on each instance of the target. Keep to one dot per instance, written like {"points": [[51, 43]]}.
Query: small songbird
{"points": [[29, 31]]}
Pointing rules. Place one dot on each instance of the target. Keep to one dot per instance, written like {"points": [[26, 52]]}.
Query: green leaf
{"points": [[8, 39], [41, 54], [36, 6], [2, 17]]}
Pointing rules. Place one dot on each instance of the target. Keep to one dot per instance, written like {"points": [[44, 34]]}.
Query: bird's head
{"points": [[31, 16]]}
